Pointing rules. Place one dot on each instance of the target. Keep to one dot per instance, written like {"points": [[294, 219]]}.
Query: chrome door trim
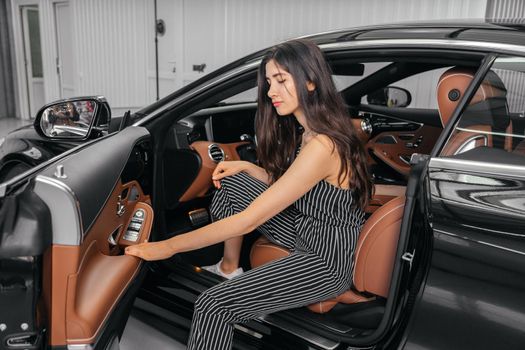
{"points": [[478, 167], [429, 43], [66, 220]]}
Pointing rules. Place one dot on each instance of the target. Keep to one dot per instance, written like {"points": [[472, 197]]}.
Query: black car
{"points": [[440, 263]]}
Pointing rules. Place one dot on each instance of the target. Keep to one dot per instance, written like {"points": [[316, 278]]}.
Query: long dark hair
{"points": [[279, 136]]}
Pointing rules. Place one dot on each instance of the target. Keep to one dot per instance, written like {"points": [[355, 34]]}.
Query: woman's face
{"points": [[282, 90]]}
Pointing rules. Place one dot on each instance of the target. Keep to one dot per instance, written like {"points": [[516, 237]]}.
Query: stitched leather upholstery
{"points": [[374, 256], [451, 87]]}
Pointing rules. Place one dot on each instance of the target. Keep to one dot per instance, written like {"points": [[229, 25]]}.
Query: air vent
{"points": [[216, 153]]}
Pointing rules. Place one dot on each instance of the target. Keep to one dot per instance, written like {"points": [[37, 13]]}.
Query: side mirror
{"points": [[74, 118], [390, 96]]}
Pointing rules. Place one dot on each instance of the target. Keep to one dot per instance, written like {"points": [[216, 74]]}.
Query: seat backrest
{"points": [[376, 248], [451, 87]]}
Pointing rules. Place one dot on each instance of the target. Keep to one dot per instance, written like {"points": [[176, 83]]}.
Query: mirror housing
{"points": [[78, 118], [390, 96]]}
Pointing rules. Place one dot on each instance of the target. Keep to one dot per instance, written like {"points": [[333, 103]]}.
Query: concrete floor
{"points": [[9, 124], [138, 336]]}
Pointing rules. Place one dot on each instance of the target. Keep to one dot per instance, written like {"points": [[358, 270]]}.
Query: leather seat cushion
{"points": [[263, 251]]}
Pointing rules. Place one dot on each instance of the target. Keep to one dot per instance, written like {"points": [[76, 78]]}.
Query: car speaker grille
{"points": [[216, 153]]}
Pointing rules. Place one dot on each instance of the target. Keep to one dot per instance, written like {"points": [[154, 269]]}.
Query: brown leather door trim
{"points": [[59, 262], [93, 292], [82, 284], [391, 153], [101, 280]]}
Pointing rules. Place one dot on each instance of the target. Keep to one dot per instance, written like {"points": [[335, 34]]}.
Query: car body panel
{"points": [[85, 273], [474, 290]]}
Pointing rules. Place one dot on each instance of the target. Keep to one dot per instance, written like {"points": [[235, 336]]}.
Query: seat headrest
{"points": [[377, 247], [454, 82]]}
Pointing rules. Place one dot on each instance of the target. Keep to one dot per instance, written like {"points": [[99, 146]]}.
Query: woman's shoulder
{"points": [[323, 140]]}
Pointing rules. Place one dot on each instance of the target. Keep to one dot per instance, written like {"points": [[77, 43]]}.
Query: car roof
{"points": [[498, 31], [507, 32]]}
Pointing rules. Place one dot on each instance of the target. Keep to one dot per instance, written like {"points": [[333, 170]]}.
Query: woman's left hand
{"points": [[151, 251]]}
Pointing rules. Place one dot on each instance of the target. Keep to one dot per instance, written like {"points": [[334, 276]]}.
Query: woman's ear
{"points": [[310, 86]]}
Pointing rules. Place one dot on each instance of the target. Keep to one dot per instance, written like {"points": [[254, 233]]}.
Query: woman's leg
{"points": [[231, 255], [294, 281], [236, 193]]}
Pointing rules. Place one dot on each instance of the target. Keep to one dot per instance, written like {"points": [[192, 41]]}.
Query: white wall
{"points": [[111, 50], [508, 9], [251, 25], [114, 47]]}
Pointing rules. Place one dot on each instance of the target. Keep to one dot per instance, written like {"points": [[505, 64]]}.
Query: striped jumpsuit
{"points": [[320, 229]]}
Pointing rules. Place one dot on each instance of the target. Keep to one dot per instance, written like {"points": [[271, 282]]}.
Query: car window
{"points": [[492, 126], [341, 82], [422, 88], [249, 95]]}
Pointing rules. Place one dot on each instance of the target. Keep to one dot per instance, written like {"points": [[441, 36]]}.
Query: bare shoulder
{"points": [[326, 148], [325, 142]]}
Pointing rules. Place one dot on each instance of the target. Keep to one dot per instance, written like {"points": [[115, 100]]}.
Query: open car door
{"points": [[65, 282], [476, 207]]}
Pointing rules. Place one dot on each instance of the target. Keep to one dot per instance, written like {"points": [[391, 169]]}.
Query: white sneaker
{"points": [[216, 269]]}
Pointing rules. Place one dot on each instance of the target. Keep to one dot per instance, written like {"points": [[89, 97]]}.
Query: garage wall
{"points": [[510, 10], [507, 9], [247, 26], [7, 81], [113, 46], [231, 29], [111, 50], [254, 24]]}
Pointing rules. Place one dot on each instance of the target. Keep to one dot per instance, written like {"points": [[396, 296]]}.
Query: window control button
{"points": [[131, 236], [135, 226]]}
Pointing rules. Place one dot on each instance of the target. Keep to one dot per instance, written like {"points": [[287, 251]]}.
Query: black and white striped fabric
{"points": [[321, 230]]}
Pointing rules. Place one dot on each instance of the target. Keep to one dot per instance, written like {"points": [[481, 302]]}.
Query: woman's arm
{"points": [[313, 164], [230, 168], [258, 173]]}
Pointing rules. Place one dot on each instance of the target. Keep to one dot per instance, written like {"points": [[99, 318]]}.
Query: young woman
{"points": [[308, 196]]}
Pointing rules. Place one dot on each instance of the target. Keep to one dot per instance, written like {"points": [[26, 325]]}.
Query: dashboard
{"points": [[224, 124], [227, 133]]}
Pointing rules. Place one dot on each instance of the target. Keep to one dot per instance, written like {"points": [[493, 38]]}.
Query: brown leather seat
{"points": [[374, 256], [451, 87]]}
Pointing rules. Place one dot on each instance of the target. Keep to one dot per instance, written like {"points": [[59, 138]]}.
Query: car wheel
{"points": [[11, 171]]}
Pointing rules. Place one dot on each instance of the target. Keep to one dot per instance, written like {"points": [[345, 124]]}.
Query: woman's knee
{"points": [[236, 181], [227, 200], [211, 306]]}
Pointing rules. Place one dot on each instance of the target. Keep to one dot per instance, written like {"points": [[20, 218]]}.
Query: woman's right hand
{"points": [[228, 168]]}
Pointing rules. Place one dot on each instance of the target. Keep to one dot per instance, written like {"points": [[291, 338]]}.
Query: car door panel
{"points": [[93, 291], [104, 273], [475, 282], [85, 272], [395, 148], [59, 262], [93, 184]]}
